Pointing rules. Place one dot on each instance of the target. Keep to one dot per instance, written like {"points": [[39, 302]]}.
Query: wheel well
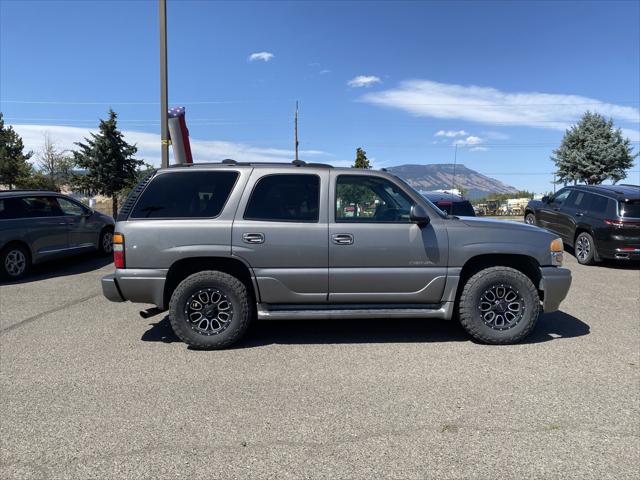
{"points": [[188, 266], [523, 263], [20, 243]]}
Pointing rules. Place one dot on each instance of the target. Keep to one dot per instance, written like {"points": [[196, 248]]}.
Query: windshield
{"points": [[435, 207]]}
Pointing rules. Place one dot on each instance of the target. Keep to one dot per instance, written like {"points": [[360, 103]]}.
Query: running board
{"points": [[313, 312]]}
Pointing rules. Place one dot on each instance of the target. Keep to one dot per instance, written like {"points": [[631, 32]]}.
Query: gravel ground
{"points": [[90, 390]]}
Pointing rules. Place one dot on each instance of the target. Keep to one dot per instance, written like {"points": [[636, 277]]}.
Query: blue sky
{"points": [[405, 81]]}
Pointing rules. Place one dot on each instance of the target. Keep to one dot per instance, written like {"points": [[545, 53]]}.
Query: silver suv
{"points": [[219, 245], [39, 225]]}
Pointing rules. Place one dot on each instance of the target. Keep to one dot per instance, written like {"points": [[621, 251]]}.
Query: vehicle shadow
{"points": [[553, 326], [85, 262]]}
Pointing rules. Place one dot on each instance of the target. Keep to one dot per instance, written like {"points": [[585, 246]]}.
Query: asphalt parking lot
{"points": [[91, 390]]}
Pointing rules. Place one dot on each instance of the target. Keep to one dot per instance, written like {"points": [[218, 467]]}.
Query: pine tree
{"points": [[361, 159], [108, 162], [593, 151], [15, 169]]}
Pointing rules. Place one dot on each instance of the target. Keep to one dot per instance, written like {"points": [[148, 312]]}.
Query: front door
{"points": [[281, 231], [550, 213], [376, 254], [83, 230]]}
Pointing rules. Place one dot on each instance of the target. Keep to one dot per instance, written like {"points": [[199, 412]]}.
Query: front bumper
{"points": [[555, 283]]}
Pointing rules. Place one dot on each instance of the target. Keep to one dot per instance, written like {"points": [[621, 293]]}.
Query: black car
{"points": [[598, 221], [451, 203]]}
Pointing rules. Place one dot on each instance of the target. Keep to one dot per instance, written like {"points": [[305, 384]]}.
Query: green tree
{"points": [[108, 162], [15, 168], [593, 151], [361, 159]]}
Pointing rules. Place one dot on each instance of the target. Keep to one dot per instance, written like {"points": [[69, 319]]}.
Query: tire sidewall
{"points": [[478, 284], [592, 249], [101, 242], [528, 215], [231, 287], [3, 255]]}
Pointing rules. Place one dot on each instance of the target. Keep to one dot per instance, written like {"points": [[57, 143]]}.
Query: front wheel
{"points": [[499, 305], [530, 219], [210, 310]]}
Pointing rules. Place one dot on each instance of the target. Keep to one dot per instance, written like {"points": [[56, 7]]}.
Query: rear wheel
{"points": [[14, 262], [530, 219], [105, 243], [499, 305], [585, 249], [210, 309]]}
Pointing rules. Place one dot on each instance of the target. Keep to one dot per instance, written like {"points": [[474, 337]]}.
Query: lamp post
{"points": [[164, 103]]}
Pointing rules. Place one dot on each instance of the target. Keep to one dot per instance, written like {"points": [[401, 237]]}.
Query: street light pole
{"points": [[164, 102]]}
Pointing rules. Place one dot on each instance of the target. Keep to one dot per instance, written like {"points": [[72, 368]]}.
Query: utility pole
{"points": [[164, 101], [455, 158], [295, 123]]}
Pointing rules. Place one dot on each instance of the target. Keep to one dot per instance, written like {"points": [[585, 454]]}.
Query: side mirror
{"points": [[419, 214], [545, 199]]}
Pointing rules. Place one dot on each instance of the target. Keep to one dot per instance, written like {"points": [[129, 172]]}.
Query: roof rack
{"points": [[230, 161]]}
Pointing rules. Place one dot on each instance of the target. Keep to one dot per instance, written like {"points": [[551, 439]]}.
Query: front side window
{"points": [[561, 197], [70, 208], [193, 194], [361, 198], [41, 207], [285, 198]]}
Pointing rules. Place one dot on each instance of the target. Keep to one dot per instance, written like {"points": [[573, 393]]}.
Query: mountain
{"points": [[439, 176]]}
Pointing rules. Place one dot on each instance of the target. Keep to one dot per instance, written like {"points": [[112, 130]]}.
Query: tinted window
{"points": [[561, 196], [370, 199], [577, 200], [285, 198], [597, 203], [41, 207], [70, 208], [194, 194], [463, 209], [630, 208], [11, 208]]}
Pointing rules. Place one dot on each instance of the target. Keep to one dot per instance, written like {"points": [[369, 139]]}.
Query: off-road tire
{"points": [[587, 258], [468, 305], [8, 250], [530, 219], [232, 288]]}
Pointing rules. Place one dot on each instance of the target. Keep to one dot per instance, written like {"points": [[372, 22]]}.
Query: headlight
{"points": [[557, 252]]}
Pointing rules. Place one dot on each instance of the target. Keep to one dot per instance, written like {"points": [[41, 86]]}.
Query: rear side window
{"points": [[597, 204], [41, 207], [11, 208], [285, 198], [194, 194], [630, 208]]}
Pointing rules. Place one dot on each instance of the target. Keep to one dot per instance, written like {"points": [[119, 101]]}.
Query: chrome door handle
{"points": [[578, 214], [342, 238], [253, 237]]}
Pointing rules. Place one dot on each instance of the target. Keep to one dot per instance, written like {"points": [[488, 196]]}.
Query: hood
{"points": [[479, 222]]}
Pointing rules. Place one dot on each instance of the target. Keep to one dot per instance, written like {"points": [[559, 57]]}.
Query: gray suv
{"points": [[38, 225], [219, 245]]}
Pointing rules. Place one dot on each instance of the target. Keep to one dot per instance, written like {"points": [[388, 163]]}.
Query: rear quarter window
{"points": [[192, 194]]}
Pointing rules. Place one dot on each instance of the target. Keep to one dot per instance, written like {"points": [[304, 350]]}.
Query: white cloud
{"points": [[149, 145], [363, 81], [325, 71], [478, 149], [425, 98], [450, 133], [631, 134], [470, 140], [264, 56]]}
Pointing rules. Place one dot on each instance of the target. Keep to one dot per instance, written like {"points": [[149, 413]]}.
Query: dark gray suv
{"points": [[219, 245], [38, 225]]}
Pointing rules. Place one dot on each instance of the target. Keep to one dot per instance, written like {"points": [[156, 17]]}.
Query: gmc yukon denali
{"points": [[219, 245]]}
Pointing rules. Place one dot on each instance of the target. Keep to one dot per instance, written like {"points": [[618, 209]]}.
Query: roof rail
{"points": [[230, 161]]}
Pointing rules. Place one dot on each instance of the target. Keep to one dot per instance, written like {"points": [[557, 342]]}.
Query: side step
{"points": [[359, 311]]}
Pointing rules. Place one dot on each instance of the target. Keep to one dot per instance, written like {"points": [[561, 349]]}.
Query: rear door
{"points": [[376, 254], [281, 230]]}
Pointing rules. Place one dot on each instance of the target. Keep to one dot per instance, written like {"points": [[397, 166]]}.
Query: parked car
{"points": [[598, 221], [451, 203], [36, 226], [221, 244]]}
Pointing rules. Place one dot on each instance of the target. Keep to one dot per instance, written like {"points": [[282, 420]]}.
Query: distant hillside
{"points": [[438, 176]]}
